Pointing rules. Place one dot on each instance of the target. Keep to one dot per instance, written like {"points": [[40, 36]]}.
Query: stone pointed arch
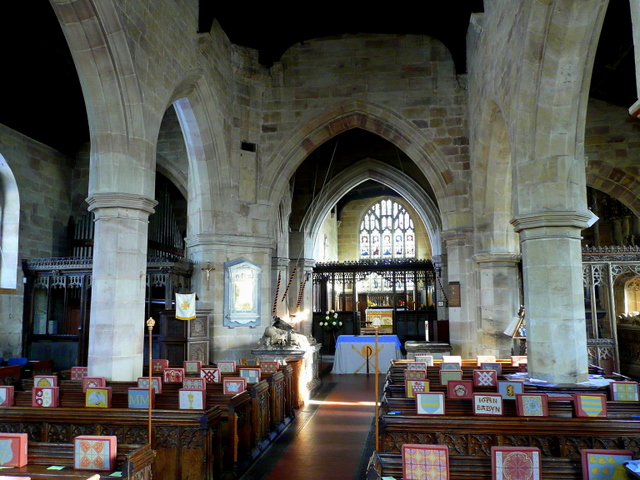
{"points": [[203, 139], [370, 169], [635, 22], [9, 226], [560, 47], [493, 185], [345, 116], [615, 182], [112, 94]]}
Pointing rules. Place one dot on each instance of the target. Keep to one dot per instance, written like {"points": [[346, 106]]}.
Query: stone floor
{"points": [[331, 437]]}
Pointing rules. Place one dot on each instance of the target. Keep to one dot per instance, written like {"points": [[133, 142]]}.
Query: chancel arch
{"points": [[370, 169], [367, 116]]}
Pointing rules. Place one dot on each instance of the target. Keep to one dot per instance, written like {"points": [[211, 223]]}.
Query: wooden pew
{"points": [[468, 435], [560, 437], [188, 443], [10, 375], [133, 460], [41, 367], [471, 467], [260, 415], [235, 420], [247, 422], [289, 392], [558, 408], [277, 401], [395, 374]]}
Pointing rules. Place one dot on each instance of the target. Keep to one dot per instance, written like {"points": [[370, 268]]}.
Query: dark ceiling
{"points": [[271, 31], [43, 99], [330, 159]]}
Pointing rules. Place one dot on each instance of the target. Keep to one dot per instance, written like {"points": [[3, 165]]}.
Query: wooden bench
{"points": [[558, 407], [40, 367], [560, 436], [10, 375], [247, 422], [475, 435], [237, 439], [471, 467], [278, 400], [188, 443], [395, 374], [133, 460]]}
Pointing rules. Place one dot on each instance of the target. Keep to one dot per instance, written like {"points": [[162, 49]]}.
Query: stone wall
{"points": [[612, 149], [404, 82], [43, 178], [327, 248]]}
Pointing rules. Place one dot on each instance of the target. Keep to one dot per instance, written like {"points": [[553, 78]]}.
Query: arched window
{"points": [[387, 231]]}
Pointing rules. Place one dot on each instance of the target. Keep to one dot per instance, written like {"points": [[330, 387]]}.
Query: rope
{"points": [[444, 294]]}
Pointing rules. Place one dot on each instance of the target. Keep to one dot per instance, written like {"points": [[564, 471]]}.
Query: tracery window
{"points": [[387, 232]]}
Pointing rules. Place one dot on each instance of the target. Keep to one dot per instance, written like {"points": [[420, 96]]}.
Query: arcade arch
{"points": [[9, 227]]}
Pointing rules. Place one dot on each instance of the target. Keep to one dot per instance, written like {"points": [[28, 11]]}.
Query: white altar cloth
{"points": [[355, 353]]}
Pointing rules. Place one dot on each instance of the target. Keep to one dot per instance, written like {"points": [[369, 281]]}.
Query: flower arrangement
{"points": [[331, 322]]}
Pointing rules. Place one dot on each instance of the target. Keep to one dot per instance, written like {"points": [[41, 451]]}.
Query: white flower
{"points": [[334, 323], [327, 312], [340, 323], [321, 324], [335, 315]]}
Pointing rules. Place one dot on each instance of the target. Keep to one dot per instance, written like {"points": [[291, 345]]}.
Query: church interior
{"points": [[461, 182]]}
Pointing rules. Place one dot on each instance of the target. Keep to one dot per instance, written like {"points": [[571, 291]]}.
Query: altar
{"points": [[378, 316], [356, 354]]}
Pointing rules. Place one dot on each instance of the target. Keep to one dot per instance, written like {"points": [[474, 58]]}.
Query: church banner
{"points": [[185, 306]]}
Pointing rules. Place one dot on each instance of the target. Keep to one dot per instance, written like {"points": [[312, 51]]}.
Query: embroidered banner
{"points": [[185, 306]]}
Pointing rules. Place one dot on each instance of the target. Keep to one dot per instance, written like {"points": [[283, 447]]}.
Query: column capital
{"points": [[280, 263], [566, 219], [455, 237], [309, 263], [439, 260], [132, 201], [227, 240], [497, 259], [305, 263]]}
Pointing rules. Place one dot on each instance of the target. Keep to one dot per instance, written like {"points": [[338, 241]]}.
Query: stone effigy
{"points": [[282, 335], [280, 342]]}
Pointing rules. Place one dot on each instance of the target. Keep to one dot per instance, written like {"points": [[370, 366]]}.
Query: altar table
{"points": [[354, 352]]}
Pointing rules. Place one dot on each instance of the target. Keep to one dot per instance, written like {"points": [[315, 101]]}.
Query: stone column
{"points": [[553, 295], [499, 289], [116, 337], [462, 322], [215, 250]]}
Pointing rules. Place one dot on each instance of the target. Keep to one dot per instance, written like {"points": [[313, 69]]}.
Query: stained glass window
{"points": [[387, 231]]}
